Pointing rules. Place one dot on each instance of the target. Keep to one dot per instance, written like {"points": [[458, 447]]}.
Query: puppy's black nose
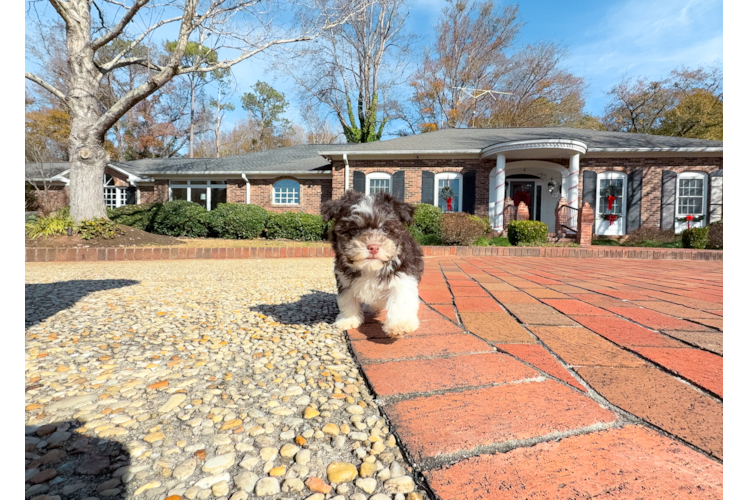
{"points": [[373, 248]]}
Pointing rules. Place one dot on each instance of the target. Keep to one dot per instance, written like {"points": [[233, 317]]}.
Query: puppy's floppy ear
{"points": [[335, 209], [403, 210]]}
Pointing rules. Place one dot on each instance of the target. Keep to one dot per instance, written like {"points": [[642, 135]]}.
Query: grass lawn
{"points": [[645, 244]]}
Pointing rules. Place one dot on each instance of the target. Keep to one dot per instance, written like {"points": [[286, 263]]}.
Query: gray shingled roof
{"points": [[292, 159], [45, 170], [477, 139]]}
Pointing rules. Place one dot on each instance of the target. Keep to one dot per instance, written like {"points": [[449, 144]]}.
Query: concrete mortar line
{"points": [[447, 460], [418, 477], [667, 370], [419, 358], [397, 398], [695, 346]]}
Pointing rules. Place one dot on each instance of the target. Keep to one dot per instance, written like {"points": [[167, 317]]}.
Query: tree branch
{"points": [[120, 26], [48, 87]]}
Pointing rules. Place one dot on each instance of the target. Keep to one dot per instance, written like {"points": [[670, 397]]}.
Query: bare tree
{"points": [[351, 69], [470, 53], [221, 108], [242, 28]]}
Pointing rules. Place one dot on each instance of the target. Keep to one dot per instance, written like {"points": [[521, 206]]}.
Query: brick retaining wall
{"points": [[128, 254]]}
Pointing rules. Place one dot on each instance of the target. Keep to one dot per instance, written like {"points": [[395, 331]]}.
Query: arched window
{"points": [[378, 181], [453, 180], [286, 192], [690, 199]]}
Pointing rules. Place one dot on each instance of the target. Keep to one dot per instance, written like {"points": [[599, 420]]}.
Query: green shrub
{"points": [[181, 218], [461, 229], [485, 222], [696, 237], [482, 242], [649, 237], [500, 241], [98, 228], [296, 226], [430, 240], [137, 216], [55, 224], [237, 221], [427, 219], [527, 232], [715, 235]]}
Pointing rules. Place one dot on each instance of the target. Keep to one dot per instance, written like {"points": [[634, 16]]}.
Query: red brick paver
{"points": [[630, 463], [637, 333]]}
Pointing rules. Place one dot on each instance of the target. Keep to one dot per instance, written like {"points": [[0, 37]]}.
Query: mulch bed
{"points": [[130, 237]]}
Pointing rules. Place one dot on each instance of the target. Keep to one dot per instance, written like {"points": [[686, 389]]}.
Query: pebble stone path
{"points": [[199, 380]]}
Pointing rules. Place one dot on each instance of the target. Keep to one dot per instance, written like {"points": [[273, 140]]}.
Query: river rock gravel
{"points": [[198, 380]]}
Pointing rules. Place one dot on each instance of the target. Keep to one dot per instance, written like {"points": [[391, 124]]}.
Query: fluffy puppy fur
{"points": [[377, 262]]}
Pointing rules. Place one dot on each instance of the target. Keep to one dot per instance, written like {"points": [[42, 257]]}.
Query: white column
{"points": [[573, 190], [500, 191]]}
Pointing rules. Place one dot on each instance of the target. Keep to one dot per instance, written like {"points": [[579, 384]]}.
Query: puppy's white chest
{"points": [[370, 290]]}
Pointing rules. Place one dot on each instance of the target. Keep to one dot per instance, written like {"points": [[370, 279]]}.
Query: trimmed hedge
{"points": [[137, 216], [527, 232], [296, 226], [696, 237], [237, 222], [181, 218], [487, 228], [715, 235], [461, 229], [427, 219]]}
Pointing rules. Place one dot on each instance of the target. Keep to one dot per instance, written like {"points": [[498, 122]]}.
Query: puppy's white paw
{"points": [[400, 328], [347, 323]]}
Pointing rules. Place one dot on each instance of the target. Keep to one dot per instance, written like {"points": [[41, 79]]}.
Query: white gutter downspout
{"points": [[345, 159], [246, 181]]}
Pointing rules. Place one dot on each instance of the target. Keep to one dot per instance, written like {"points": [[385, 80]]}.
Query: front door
{"points": [[610, 216], [523, 191]]}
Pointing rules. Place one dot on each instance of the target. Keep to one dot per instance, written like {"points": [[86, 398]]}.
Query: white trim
{"points": [[449, 176], [402, 152], [347, 171], [567, 144], [272, 194], [603, 227], [377, 176], [712, 149], [704, 176], [246, 183]]}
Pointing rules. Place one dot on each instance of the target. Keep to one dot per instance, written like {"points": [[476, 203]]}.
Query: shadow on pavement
{"points": [[60, 461], [46, 299], [314, 307]]}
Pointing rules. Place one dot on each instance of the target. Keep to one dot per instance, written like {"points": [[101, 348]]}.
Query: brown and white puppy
{"points": [[377, 262]]}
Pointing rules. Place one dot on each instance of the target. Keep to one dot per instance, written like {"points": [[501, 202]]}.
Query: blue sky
{"points": [[606, 40]]}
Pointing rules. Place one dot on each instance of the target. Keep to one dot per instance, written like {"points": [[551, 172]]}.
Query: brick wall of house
{"points": [[53, 198], [413, 169], [652, 176], [312, 194], [156, 193]]}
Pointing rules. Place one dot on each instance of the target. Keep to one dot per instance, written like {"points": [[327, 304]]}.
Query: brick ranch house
{"points": [[552, 171]]}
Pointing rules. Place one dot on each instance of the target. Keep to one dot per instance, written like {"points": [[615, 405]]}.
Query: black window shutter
{"points": [[427, 187], [468, 192], [715, 196], [398, 185], [359, 181], [634, 201], [589, 189], [131, 196], [667, 206]]}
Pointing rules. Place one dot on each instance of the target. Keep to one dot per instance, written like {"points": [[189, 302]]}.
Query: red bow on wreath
{"points": [[689, 218], [520, 197], [611, 218], [611, 199], [449, 204]]}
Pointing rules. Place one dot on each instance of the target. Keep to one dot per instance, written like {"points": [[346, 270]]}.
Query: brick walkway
{"points": [[555, 378]]}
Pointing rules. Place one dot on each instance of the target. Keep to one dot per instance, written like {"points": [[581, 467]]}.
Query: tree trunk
{"points": [[86, 149], [192, 117], [218, 126]]}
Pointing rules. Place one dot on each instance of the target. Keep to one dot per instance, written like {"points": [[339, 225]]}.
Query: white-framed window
{"points": [[453, 180], [208, 194], [286, 192], [690, 198], [378, 181], [113, 196]]}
